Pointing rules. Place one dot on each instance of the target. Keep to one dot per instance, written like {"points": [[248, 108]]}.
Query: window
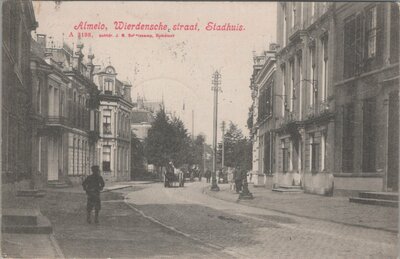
{"points": [[369, 135], [371, 24], [107, 122], [293, 14], [77, 157], [299, 59], [313, 6], [39, 97], [108, 86], [394, 33], [264, 105], [292, 89], [324, 42], [73, 156], [363, 41], [284, 24], [283, 90], [285, 157], [347, 138], [106, 158], [314, 153], [313, 86]]}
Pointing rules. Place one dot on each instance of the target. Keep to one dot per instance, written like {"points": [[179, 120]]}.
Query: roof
{"points": [[141, 116]]}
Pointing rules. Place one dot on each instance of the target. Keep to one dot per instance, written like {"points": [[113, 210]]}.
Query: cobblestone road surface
{"points": [[247, 232]]}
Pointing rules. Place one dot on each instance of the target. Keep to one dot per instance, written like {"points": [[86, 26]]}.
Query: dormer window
{"points": [[108, 86]]}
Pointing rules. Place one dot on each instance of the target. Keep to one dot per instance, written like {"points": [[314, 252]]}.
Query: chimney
{"points": [[41, 39]]}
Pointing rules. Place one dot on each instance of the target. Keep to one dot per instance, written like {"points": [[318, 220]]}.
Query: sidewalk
{"points": [[334, 209], [43, 245]]}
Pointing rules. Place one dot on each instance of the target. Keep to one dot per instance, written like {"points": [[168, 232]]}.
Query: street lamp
{"points": [[216, 88]]}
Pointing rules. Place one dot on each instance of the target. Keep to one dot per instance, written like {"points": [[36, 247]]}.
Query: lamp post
{"points": [[216, 88]]}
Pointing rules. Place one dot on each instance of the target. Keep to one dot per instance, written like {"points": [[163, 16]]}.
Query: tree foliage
{"points": [[167, 140], [237, 148]]}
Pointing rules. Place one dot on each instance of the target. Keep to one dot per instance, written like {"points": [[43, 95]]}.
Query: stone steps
{"points": [[380, 195], [58, 184], [25, 221], [379, 202], [288, 188]]}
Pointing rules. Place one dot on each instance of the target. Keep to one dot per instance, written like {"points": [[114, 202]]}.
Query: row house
{"points": [[18, 21], [305, 115], [262, 130], [114, 146], [366, 77], [66, 104]]}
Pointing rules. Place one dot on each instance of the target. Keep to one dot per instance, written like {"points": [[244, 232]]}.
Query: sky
{"points": [[179, 68]]}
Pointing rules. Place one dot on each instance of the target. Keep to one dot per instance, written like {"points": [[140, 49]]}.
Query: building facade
{"points": [[114, 146], [366, 76], [262, 131], [18, 21], [305, 126], [67, 100]]}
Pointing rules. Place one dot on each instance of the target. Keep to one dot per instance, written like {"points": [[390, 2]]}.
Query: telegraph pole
{"points": [[223, 144], [193, 125], [216, 81]]}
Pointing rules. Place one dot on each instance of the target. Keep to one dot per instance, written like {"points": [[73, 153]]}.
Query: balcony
{"points": [[290, 123], [57, 121], [320, 111]]}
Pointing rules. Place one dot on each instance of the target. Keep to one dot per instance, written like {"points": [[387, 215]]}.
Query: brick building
{"points": [[366, 76], [18, 21]]}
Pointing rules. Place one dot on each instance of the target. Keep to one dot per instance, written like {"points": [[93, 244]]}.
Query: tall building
{"points": [[262, 130], [116, 105], [366, 76], [67, 100], [305, 126], [18, 21]]}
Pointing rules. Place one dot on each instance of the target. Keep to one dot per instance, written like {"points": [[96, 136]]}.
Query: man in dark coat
{"points": [[93, 184], [238, 177]]}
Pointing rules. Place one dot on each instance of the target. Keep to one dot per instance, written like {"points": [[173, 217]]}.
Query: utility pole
{"points": [[223, 144], [216, 81], [193, 125]]}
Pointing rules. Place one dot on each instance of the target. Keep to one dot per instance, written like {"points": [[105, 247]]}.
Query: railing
{"points": [[288, 118], [57, 120], [318, 110]]}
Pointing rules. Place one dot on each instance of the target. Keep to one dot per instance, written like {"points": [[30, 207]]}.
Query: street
{"points": [[150, 221], [245, 232]]}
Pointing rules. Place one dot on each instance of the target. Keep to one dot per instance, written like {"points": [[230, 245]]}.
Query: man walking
{"points": [[93, 184]]}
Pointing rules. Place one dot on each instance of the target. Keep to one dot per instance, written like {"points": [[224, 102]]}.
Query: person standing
{"points": [[237, 176], [93, 184]]}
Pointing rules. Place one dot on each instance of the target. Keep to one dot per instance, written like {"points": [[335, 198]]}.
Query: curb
{"points": [[299, 215]]}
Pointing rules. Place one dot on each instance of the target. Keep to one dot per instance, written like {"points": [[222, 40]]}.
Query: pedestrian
{"points": [[93, 184], [238, 177], [208, 175], [200, 175]]}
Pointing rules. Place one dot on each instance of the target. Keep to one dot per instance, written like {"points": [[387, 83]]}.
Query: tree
{"points": [[137, 156], [160, 140], [238, 149], [168, 140]]}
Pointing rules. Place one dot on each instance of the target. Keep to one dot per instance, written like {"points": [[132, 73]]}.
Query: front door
{"points": [[393, 143]]}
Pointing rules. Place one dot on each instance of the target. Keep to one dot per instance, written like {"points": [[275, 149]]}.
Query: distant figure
{"points": [[93, 184], [200, 175], [238, 177], [208, 175]]}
